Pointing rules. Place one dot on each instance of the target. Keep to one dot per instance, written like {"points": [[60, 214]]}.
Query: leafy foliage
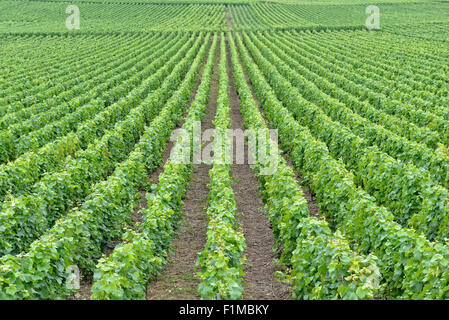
{"points": [[119, 277], [80, 237], [57, 192], [221, 261], [323, 265], [410, 265]]}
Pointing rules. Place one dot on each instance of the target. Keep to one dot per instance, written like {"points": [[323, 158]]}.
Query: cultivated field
{"points": [[333, 185]]}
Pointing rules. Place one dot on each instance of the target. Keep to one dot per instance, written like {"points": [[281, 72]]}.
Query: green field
{"points": [[96, 204]]}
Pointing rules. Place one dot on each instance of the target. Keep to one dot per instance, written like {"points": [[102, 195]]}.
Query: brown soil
{"points": [[314, 209], [228, 19], [86, 283], [178, 280], [260, 280]]}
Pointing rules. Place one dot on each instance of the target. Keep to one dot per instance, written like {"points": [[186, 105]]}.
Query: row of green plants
{"points": [[20, 85], [422, 72], [400, 117], [277, 17], [69, 86], [420, 81], [263, 16], [197, 17], [79, 238], [20, 175], [31, 89], [410, 265], [27, 216], [422, 104], [408, 192], [436, 31], [322, 264], [125, 273], [394, 145], [48, 106], [435, 161], [124, 17], [221, 261], [15, 142], [331, 82], [425, 66]]}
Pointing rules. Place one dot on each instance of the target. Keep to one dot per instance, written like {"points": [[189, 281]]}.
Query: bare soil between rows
{"points": [[228, 19], [313, 207], [260, 269], [178, 280]]}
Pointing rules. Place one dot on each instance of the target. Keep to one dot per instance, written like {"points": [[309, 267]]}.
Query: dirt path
{"points": [[260, 281], [314, 209], [178, 279], [228, 19]]}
